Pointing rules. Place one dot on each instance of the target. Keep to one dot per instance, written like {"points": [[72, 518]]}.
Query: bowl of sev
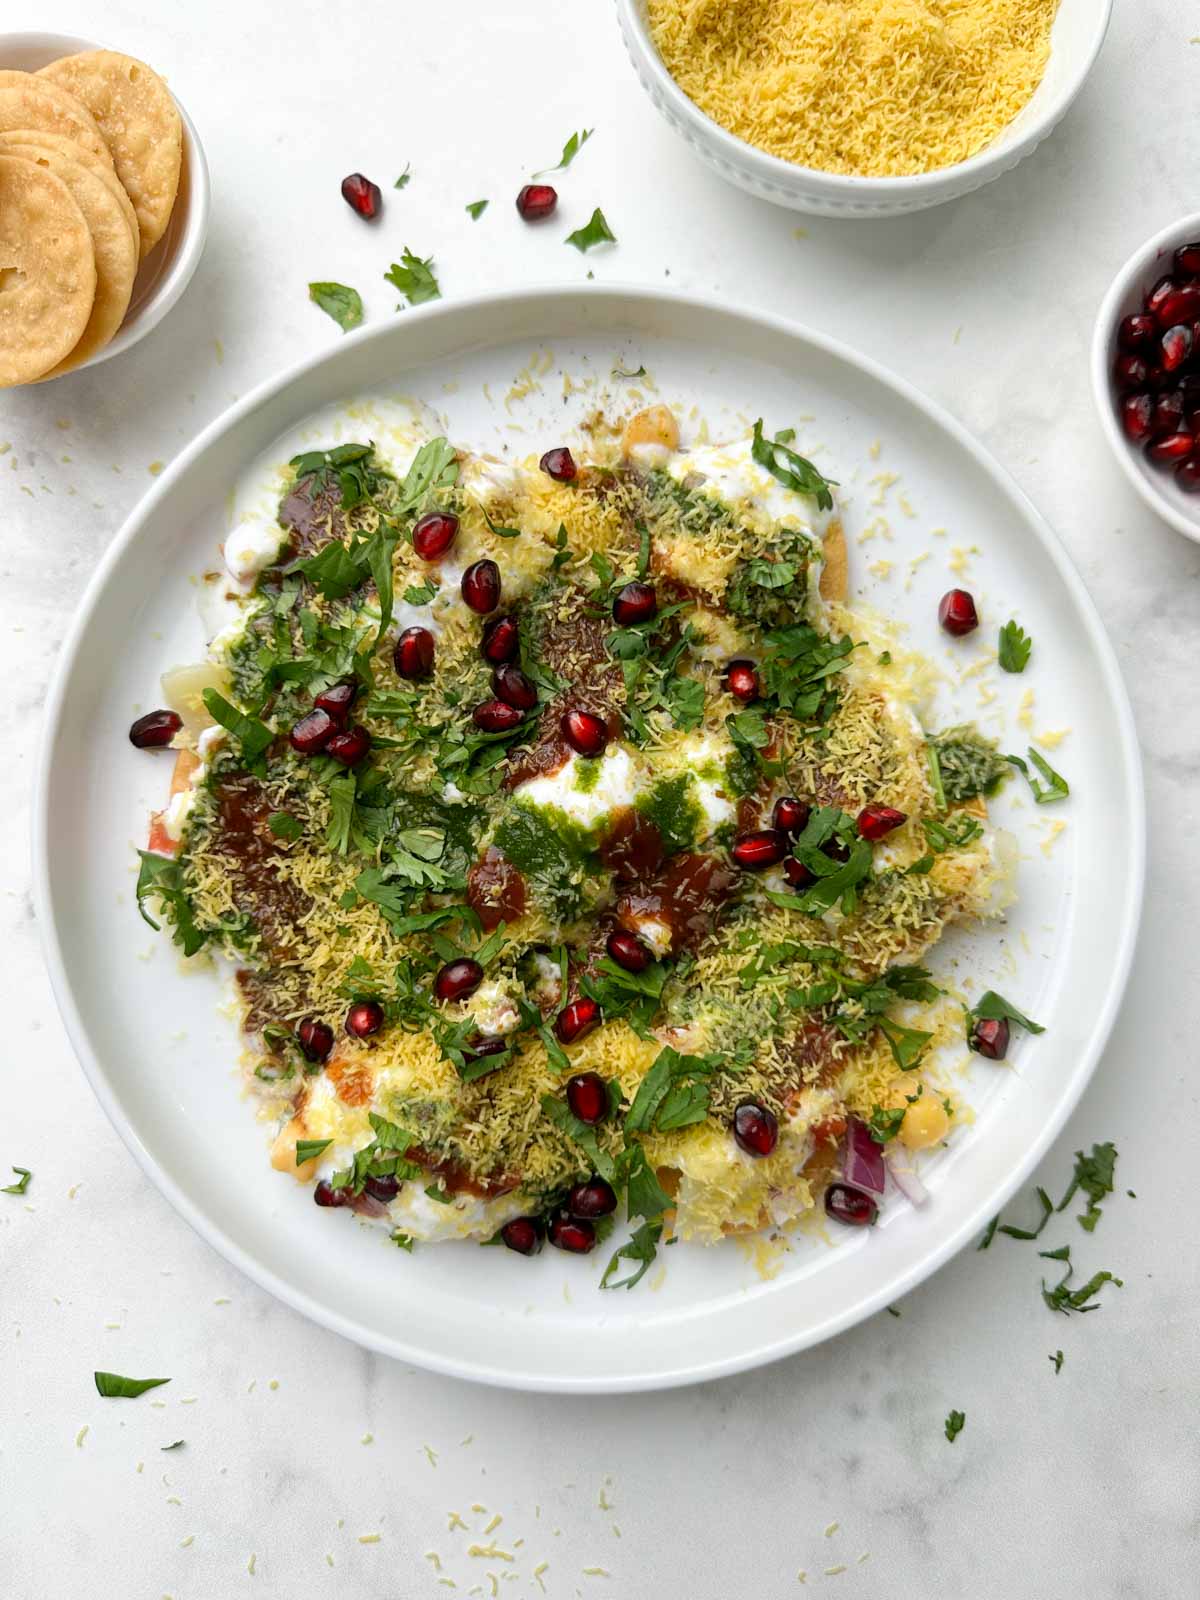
{"points": [[862, 108]]}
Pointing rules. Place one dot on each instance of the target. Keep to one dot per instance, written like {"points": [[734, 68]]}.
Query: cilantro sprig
{"points": [[1015, 647]]}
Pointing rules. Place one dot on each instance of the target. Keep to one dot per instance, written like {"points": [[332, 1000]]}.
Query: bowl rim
{"points": [[625, 296], [1102, 389], [194, 232], [988, 162]]}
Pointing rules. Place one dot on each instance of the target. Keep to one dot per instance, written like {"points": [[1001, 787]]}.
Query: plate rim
{"points": [[326, 1316]]}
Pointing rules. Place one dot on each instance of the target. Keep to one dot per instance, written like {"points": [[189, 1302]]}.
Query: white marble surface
{"points": [[1084, 1482]]}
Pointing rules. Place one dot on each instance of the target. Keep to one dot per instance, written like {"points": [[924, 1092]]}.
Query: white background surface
{"points": [[1056, 1482]]}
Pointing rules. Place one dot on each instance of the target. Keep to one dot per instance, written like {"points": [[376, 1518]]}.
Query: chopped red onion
{"points": [[903, 1176], [862, 1163]]}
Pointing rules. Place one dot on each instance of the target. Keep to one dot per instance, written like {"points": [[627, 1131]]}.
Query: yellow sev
{"points": [[870, 88]]}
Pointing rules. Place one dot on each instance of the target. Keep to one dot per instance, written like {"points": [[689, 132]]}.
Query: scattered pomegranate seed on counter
{"points": [[741, 680], [361, 195], [764, 848], [755, 1129], [312, 733], [326, 1195], [627, 950], [458, 979], [351, 747], [854, 1207], [635, 602], [537, 200], [338, 699], [576, 1019], [876, 822], [315, 1039], [790, 815], [989, 1037], [494, 716], [586, 733], [524, 1235], [573, 1234], [500, 639], [957, 613], [434, 533], [481, 586], [514, 688], [155, 729], [592, 1199], [413, 655], [559, 463], [587, 1096], [364, 1018]]}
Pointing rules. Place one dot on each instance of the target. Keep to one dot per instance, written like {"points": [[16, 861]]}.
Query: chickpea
{"points": [[655, 425], [925, 1123]]}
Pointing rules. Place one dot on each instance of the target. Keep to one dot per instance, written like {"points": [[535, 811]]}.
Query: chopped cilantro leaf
{"points": [[414, 278], [1057, 1360], [642, 1249], [23, 1177], [1055, 787], [476, 209], [1094, 1175], [955, 1423], [284, 826], [559, 1113], [405, 177], [339, 301], [1015, 646], [989, 1233], [995, 1008], [162, 877], [570, 150], [1065, 1299], [114, 1387], [251, 735], [621, 375], [907, 1044], [595, 231], [1034, 1233], [309, 1149], [790, 469]]}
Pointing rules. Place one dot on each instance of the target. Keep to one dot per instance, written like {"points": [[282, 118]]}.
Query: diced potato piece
{"points": [[183, 690]]}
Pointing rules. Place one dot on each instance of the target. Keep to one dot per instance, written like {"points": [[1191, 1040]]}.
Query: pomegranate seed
{"points": [[483, 1045], [414, 652], [957, 613], [790, 815], [742, 681], [1181, 305], [493, 716], [836, 849], [514, 688], [635, 602], [364, 1018], [1137, 416], [1167, 416], [1187, 260], [851, 1206], [1189, 392], [1155, 376], [351, 747], [481, 586], [155, 729], [592, 1199], [523, 1234], [586, 733], [587, 1096], [338, 699], [434, 533], [382, 1189], [315, 1039], [989, 1037], [559, 463], [312, 733], [1161, 291], [628, 951], [500, 639], [1176, 346], [537, 200], [577, 1019], [1131, 372], [764, 848], [458, 979], [573, 1234], [797, 874], [1175, 447], [1187, 475], [326, 1195], [876, 822], [1136, 333], [755, 1129], [361, 195]]}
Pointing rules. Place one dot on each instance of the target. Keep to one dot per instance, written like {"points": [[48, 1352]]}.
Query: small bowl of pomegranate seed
{"points": [[1146, 372]]}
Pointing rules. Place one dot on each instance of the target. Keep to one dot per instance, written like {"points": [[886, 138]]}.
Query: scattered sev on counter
{"points": [[866, 88]]}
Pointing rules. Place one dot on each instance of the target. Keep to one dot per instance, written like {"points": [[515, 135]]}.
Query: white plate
{"points": [[160, 1058]]}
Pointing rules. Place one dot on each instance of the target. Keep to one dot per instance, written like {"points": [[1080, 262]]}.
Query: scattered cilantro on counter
{"points": [[1056, 1360], [114, 1387], [175, 1444], [339, 301], [1015, 645], [955, 1423], [22, 1183], [570, 150], [595, 231], [1065, 1299], [1094, 1175], [414, 278], [403, 181], [476, 209]]}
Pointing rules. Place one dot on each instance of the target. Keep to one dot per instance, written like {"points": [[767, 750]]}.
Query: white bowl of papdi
{"points": [[104, 202]]}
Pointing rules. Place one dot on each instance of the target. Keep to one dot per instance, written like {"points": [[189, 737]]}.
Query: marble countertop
{"points": [[312, 1467]]}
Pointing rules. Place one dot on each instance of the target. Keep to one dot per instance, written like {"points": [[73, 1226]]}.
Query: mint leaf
{"points": [[339, 301], [595, 231]]}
